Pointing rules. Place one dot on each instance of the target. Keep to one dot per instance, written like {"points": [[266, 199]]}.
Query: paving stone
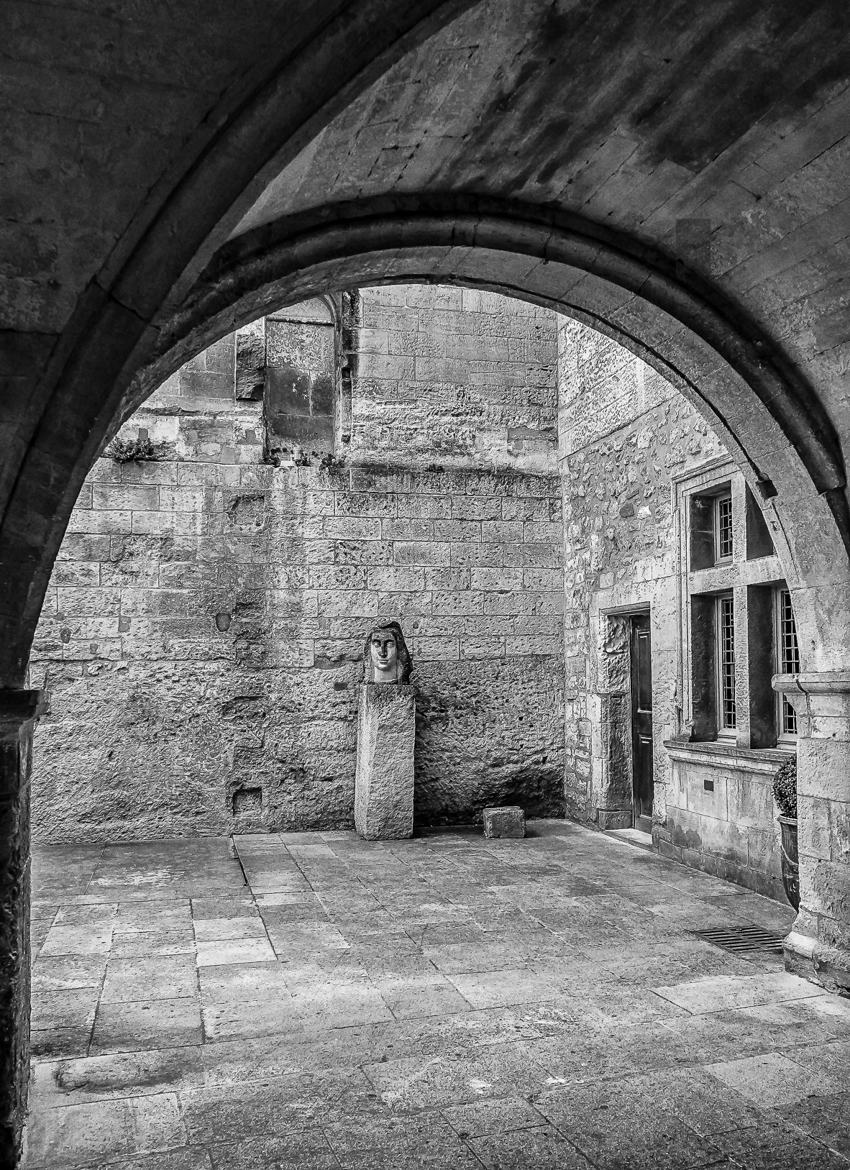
{"points": [[496, 1116], [182, 1159], [508, 986], [420, 996], [67, 972], [103, 1130], [381, 1131], [161, 1023], [772, 1146], [430, 1154], [826, 1118], [77, 939], [237, 907], [615, 1123], [247, 1018], [240, 981], [244, 950], [152, 916], [307, 1150], [831, 1057], [226, 929], [159, 977], [341, 1006], [70, 1008], [279, 1105], [773, 1079], [716, 992], [102, 913], [437, 1081], [155, 942], [543, 1148], [120, 1074], [50, 1043]]}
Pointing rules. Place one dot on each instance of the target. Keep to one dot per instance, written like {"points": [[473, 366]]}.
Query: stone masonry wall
{"points": [[624, 434], [202, 636]]}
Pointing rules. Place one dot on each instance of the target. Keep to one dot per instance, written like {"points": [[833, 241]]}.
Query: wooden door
{"points": [[642, 780]]}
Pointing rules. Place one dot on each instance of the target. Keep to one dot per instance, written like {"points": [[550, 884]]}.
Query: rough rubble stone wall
{"points": [[624, 432], [202, 637]]}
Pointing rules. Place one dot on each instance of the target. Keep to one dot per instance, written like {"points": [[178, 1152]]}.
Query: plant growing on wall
{"points": [[785, 788], [785, 795], [140, 450]]}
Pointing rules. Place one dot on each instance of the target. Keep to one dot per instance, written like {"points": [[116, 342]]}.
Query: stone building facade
{"points": [[644, 480], [388, 454]]}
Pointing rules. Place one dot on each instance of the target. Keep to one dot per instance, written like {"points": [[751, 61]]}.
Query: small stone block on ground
{"points": [[508, 821]]}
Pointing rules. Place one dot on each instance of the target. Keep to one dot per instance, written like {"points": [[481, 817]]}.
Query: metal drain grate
{"points": [[743, 938]]}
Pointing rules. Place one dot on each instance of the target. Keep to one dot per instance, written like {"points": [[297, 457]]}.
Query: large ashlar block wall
{"points": [[201, 641]]}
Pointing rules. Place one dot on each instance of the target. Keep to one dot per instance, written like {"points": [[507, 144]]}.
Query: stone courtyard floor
{"points": [[445, 1002]]}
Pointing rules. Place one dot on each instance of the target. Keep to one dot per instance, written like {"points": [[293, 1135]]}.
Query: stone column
{"points": [[18, 712], [818, 946], [383, 788]]}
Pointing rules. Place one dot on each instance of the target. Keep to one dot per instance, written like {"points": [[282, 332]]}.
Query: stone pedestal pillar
{"points": [[383, 789], [818, 946], [18, 712]]}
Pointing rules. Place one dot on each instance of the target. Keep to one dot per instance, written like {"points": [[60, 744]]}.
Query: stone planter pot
{"points": [[790, 864]]}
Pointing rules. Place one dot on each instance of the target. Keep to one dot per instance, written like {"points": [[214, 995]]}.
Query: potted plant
{"points": [[785, 795]]}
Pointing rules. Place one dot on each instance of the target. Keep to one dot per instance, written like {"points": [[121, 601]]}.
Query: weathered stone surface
{"points": [[383, 786], [18, 711], [508, 821], [206, 618], [422, 1006]]}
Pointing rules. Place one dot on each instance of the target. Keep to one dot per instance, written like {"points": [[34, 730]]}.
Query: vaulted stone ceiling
{"points": [[716, 133]]}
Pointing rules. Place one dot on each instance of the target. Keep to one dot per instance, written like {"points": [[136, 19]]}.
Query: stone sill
{"points": [[712, 754]]}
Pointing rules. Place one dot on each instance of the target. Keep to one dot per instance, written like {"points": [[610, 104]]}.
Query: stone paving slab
{"points": [[443, 1002]]}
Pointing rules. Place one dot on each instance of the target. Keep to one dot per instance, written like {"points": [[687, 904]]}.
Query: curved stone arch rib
{"points": [[245, 271]]}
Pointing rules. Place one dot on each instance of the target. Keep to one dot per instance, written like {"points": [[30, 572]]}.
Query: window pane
{"points": [[724, 527], [726, 661], [789, 657]]}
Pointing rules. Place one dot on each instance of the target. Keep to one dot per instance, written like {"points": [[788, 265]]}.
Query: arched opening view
{"points": [[595, 608], [595, 621], [421, 422]]}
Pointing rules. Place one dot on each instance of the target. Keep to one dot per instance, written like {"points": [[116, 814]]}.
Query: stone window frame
{"points": [[785, 638], [754, 578], [725, 664], [720, 536]]}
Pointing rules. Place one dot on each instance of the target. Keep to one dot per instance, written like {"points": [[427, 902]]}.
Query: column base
{"points": [[828, 966]]}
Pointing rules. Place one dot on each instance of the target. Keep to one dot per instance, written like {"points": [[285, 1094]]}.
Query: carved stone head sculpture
{"points": [[385, 656]]}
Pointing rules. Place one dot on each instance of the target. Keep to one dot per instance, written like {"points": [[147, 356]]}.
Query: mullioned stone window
{"points": [[737, 616]]}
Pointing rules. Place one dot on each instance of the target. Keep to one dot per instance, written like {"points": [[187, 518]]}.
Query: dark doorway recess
{"points": [[641, 669]]}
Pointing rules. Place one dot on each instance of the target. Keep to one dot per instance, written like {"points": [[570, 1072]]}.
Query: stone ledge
{"points": [[720, 755]]}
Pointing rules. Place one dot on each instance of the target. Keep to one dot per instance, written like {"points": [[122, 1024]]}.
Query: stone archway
{"points": [[135, 308], [733, 375], [731, 372]]}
